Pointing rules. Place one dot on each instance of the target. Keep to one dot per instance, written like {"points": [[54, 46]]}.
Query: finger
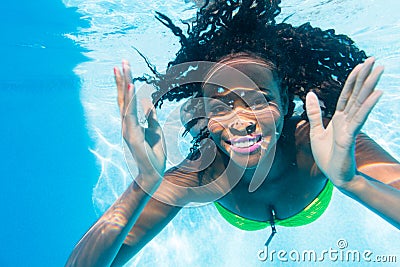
{"points": [[154, 134], [314, 114], [152, 119], [366, 90], [362, 114], [362, 75], [119, 83], [130, 101], [347, 88], [126, 70], [370, 83]]}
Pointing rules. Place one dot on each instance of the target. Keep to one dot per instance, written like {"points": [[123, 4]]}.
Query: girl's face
{"points": [[245, 110]]}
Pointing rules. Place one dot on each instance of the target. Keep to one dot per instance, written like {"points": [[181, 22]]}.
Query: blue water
{"points": [[47, 172], [61, 159]]}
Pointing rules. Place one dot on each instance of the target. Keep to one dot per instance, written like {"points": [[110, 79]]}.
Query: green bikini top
{"points": [[309, 214]]}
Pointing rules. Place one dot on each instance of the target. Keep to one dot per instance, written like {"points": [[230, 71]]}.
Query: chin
{"points": [[250, 163]]}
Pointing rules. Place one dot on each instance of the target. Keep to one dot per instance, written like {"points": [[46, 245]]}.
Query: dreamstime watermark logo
{"points": [[342, 243], [339, 254], [216, 78]]}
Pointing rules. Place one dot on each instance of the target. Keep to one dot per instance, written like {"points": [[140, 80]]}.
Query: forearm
{"points": [[102, 242], [381, 198]]}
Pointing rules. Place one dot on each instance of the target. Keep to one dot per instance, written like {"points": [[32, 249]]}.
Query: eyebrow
{"points": [[264, 91]]}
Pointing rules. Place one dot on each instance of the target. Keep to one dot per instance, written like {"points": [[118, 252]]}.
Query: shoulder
{"points": [[296, 134], [297, 140], [177, 182], [197, 179], [185, 174]]}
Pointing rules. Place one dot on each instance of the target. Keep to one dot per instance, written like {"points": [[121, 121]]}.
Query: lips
{"points": [[245, 144]]}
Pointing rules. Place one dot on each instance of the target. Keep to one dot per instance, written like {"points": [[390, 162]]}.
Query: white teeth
{"points": [[244, 143]]}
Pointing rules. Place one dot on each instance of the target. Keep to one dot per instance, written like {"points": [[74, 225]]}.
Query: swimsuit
{"points": [[309, 214]]}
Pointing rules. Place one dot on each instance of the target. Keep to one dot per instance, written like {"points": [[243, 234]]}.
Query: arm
{"points": [[375, 162], [100, 245], [155, 216], [334, 147], [374, 184], [103, 241], [381, 198], [126, 227]]}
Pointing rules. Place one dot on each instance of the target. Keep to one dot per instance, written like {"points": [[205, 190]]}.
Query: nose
{"points": [[239, 127]]}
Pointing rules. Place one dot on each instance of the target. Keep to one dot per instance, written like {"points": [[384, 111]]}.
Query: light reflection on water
{"points": [[199, 237]]}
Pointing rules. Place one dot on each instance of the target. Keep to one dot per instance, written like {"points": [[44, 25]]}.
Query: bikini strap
{"points": [[273, 229]]}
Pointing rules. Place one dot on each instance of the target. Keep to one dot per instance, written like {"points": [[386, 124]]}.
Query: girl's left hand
{"points": [[333, 147]]}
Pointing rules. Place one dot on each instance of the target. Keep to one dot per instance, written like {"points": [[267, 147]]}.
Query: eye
{"points": [[220, 109], [260, 103]]}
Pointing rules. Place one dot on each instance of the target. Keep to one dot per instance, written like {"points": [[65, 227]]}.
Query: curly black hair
{"points": [[306, 58]]}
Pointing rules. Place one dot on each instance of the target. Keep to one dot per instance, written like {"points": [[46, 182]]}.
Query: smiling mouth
{"points": [[245, 144]]}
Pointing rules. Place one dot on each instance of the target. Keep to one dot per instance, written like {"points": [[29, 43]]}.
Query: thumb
{"points": [[151, 114], [152, 119], [314, 113]]}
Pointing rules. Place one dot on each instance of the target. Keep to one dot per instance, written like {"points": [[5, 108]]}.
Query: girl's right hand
{"points": [[147, 145]]}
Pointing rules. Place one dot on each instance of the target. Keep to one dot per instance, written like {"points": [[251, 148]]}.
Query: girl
{"points": [[267, 166]]}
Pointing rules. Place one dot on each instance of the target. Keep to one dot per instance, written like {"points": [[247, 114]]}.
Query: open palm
{"points": [[146, 144], [333, 147]]}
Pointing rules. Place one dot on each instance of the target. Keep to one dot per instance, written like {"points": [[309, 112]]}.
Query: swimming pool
{"points": [[197, 236], [45, 165]]}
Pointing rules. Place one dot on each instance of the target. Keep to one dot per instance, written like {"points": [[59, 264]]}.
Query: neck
{"points": [[265, 172]]}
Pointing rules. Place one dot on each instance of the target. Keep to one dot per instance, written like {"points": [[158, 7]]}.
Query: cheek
{"points": [[214, 126], [269, 118]]}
